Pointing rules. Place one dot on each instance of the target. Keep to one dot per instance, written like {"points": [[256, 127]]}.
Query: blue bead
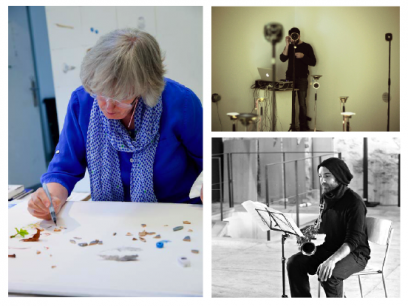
{"points": [[159, 245], [92, 29]]}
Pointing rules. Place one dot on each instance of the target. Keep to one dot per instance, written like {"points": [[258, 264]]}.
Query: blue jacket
{"points": [[179, 154]]}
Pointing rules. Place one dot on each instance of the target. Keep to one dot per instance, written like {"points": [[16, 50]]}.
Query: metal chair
{"points": [[379, 232]]}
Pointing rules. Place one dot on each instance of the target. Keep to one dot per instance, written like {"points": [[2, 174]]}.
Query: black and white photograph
{"points": [[306, 217]]}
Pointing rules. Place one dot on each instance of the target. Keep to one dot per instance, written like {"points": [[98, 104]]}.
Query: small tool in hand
{"points": [[51, 208]]}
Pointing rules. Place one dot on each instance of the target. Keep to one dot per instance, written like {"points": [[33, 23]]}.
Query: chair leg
{"points": [[385, 288], [318, 289], [361, 288]]}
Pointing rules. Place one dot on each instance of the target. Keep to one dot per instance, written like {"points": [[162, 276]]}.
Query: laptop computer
{"points": [[266, 74]]}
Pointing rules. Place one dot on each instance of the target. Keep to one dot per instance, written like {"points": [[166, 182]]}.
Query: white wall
{"points": [[177, 29], [351, 52]]}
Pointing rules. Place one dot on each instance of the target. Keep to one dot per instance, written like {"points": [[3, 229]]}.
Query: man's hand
{"points": [[299, 54], [325, 270], [288, 40]]}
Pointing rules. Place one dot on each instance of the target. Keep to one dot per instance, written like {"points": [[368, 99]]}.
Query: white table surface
{"points": [[80, 271]]}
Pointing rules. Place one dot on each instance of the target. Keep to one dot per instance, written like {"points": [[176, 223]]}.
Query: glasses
{"points": [[117, 103]]}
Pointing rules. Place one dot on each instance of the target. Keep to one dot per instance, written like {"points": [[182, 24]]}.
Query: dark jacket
{"points": [[344, 221]]}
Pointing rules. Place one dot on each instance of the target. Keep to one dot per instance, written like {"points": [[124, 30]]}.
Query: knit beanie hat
{"points": [[338, 168]]}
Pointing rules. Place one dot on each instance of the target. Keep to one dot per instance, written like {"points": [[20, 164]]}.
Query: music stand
{"points": [[267, 219]]}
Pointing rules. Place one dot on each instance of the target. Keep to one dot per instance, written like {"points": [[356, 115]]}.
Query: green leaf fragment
{"points": [[21, 232]]}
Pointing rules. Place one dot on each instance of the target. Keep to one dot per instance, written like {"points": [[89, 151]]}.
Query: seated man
{"points": [[345, 249]]}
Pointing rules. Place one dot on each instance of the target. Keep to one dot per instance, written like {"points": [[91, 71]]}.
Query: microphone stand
{"points": [[315, 110], [274, 85], [389, 84], [292, 125]]}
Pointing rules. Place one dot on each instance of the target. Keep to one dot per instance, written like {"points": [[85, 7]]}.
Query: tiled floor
{"points": [[252, 268]]}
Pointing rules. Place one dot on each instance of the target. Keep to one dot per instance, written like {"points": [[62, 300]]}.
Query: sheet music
{"points": [[279, 221]]}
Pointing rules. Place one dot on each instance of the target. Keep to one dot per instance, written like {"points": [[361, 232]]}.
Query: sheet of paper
{"points": [[195, 190], [278, 220], [79, 196], [57, 266]]}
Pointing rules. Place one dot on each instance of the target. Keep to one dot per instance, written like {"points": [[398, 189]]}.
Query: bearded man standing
{"points": [[304, 57], [345, 249]]}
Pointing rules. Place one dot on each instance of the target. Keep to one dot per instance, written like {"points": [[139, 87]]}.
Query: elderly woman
{"points": [[138, 133]]}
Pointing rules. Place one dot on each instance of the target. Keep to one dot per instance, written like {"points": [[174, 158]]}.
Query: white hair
{"points": [[124, 64]]}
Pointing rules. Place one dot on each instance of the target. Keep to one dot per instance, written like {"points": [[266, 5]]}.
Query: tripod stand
{"points": [[316, 86], [273, 33], [388, 37]]}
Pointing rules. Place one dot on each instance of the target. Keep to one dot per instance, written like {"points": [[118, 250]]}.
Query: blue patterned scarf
{"points": [[108, 136]]}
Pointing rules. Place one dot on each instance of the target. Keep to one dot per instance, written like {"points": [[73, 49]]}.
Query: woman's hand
{"points": [[39, 204]]}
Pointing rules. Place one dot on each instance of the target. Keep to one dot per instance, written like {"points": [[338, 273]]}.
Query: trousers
{"points": [[299, 266], [302, 84]]}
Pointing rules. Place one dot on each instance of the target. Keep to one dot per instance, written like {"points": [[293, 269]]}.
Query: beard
{"points": [[329, 187]]}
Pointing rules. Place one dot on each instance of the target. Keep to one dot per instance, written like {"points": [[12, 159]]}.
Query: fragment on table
{"points": [[120, 254], [184, 262], [94, 242], [35, 237], [159, 245]]}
